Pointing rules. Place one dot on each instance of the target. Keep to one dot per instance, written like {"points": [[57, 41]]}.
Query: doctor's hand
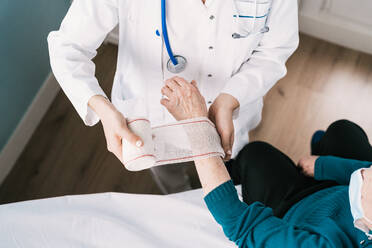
{"points": [[220, 113], [114, 125], [184, 99]]}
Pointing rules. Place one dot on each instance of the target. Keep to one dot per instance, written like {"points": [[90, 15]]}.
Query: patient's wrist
{"points": [[203, 138]]}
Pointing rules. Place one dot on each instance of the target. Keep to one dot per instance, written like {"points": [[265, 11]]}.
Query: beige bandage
{"points": [[176, 142]]}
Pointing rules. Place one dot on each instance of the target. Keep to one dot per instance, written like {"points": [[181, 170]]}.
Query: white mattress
{"points": [[111, 220]]}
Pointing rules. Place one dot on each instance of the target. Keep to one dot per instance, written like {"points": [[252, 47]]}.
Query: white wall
{"points": [[344, 22]]}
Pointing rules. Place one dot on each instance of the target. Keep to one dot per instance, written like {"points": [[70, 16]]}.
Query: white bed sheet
{"points": [[112, 220]]}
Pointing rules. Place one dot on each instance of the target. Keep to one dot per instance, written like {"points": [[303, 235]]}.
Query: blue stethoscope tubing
{"points": [[165, 33], [177, 63]]}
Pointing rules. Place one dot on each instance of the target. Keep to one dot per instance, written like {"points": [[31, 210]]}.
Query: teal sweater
{"points": [[322, 219]]}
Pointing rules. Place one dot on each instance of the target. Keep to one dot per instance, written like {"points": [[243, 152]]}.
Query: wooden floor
{"points": [[325, 83]]}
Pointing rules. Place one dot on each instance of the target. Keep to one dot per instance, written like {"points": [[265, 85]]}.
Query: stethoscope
{"points": [[177, 63]]}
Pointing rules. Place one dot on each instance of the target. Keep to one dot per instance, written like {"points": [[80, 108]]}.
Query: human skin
{"points": [[307, 164], [114, 125], [220, 113], [367, 195], [184, 101]]}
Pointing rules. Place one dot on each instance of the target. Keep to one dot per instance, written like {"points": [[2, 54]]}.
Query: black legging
{"points": [[269, 176]]}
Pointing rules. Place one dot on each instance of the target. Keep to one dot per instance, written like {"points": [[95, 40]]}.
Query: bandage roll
{"points": [[139, 158], [176, 142]]}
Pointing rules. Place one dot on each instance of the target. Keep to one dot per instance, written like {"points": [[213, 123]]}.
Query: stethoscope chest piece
{"points": [[179, 67]]}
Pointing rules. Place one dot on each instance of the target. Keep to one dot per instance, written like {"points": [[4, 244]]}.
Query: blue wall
{"points": [[24, 62]]}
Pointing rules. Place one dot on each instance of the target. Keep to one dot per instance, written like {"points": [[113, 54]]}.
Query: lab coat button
{"points": [[209, 75], [211, 17], [210, 48], [209, 102]]}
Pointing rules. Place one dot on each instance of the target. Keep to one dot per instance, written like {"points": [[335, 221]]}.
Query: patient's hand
{"points": [[184, 99], [307, 164]]}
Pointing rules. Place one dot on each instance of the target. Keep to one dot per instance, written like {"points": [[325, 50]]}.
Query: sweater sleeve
{"points": [[255, 225], [337, 169]]}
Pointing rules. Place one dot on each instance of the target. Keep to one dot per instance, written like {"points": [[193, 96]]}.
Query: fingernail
{"points": [[228, 152], [139, 143]]}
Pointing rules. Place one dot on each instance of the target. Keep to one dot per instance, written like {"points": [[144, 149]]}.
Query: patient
{"points": [[284, 206]]}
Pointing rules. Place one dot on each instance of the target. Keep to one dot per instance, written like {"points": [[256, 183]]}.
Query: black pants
{"points": [[269, 176]]}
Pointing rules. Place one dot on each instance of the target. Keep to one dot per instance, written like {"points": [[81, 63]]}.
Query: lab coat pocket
{"points": [[251, 16]]}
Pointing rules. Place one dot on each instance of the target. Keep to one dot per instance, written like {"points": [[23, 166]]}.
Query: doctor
{"points": [[235, 51]]}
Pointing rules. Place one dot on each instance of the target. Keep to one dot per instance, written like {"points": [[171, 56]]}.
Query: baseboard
{"points": [[26, 127], [337, 30]]}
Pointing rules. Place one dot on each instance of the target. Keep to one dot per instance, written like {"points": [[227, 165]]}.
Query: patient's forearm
{"points": [[212, 173]]}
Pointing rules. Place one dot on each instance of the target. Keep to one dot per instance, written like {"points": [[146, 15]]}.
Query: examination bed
{"points": [[112, 220]]}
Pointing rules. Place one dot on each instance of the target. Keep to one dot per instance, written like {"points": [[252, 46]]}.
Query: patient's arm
{"points": [[331, 168], [337, 169], [247, 225], [212, 173], [184, 101]]}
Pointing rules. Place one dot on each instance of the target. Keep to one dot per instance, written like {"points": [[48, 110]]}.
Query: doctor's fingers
{"points": [[228, 156], [132, 138], [225, 128], [114, 146], [227, 143]]}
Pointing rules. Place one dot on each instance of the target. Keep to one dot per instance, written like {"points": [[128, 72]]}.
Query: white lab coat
{"points": [[245, 68]]}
